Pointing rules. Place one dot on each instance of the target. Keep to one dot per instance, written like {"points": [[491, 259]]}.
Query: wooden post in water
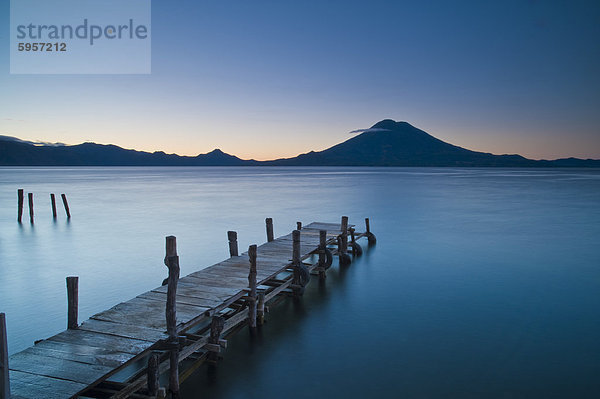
{"points": [[343, 243], [322, 260], [4, 381], [172, 261], [269, 222], [216, 326], [252, 285], [345, 233], [153, 373], [30, 198], [299, 225], [233, 244], [72, 302], [370, 236], [301, 274], [260, 309], [53, 202], [19, 205], [66, 204]]}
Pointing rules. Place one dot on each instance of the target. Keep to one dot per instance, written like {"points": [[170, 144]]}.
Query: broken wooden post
{"points": [[216, 327], [19, 205], [72, 302], [30, 198], [322, 255], [370, 236], [252, 285], [260, 309], [53, 202], [172, 261], [343, 243], [269, 222], [343, 257], [345, 232], [356, 248], [299, 225], [301, 274], [4, 381], [233, 244], [66, 204], [153, 373]]}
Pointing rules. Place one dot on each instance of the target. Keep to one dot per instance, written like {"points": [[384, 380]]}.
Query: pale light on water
{"points": [[483, 283]]}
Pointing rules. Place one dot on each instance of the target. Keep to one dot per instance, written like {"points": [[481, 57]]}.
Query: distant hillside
{"points": [[13, 152], [390, 143], [387, 143]]}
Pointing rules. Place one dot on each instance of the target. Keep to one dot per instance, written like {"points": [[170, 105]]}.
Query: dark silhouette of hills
{"points": [[16, 152], [387, 143]]}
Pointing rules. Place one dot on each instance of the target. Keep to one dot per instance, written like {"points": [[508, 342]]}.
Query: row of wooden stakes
{"points": [[21, 200]]}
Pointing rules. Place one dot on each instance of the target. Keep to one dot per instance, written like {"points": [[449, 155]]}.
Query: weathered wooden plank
{"points": [[218, 291], [145, 313], [98, 340], [181, 299], [26, 385], [123, 330], [83, 355], [28, 361]]}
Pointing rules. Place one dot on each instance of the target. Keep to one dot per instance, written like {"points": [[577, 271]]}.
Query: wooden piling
{"points": [[370, 236], [322, 259], [19, 205], [66, 204], [301, 274], [269, 223], [345, 233], [72, 302], [260, 309], [217, 324], [4, 380], [171, 315], [30, 198], [299, 225], [233, 244], [153, 373], [252, 284], [53, 202]]}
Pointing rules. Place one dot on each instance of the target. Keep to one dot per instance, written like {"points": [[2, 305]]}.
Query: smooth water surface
{"points": [[484, 283]]}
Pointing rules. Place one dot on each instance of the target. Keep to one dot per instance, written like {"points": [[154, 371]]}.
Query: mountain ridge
{"points": [[386, 143]]}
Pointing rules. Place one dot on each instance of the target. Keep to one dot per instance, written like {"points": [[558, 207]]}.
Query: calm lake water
{"points": [[484, 283]]}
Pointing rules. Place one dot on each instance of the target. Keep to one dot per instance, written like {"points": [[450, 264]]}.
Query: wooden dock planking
{"points": [[27, 386], [77, 359]]}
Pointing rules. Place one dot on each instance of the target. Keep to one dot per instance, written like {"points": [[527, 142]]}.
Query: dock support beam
{"points": [[153, 373], [172, 262], [233, 244], [216, 327], [370, 236], [322, 254], [72, 302], [19, 205], [356, 248], [30, 198], [301, 274], [252, 284], [53, 202], [4, 381], [269, 223], [260, 309], [66, 204], [343, 243]]}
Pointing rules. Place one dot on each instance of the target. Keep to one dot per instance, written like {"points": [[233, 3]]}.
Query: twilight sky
{"points": [[268, 79]]}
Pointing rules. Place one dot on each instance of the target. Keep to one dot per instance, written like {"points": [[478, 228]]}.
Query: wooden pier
{"points": [[121, 352]]}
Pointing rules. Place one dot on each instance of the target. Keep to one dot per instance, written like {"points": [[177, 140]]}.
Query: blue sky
{"points": [[267, 79]]}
